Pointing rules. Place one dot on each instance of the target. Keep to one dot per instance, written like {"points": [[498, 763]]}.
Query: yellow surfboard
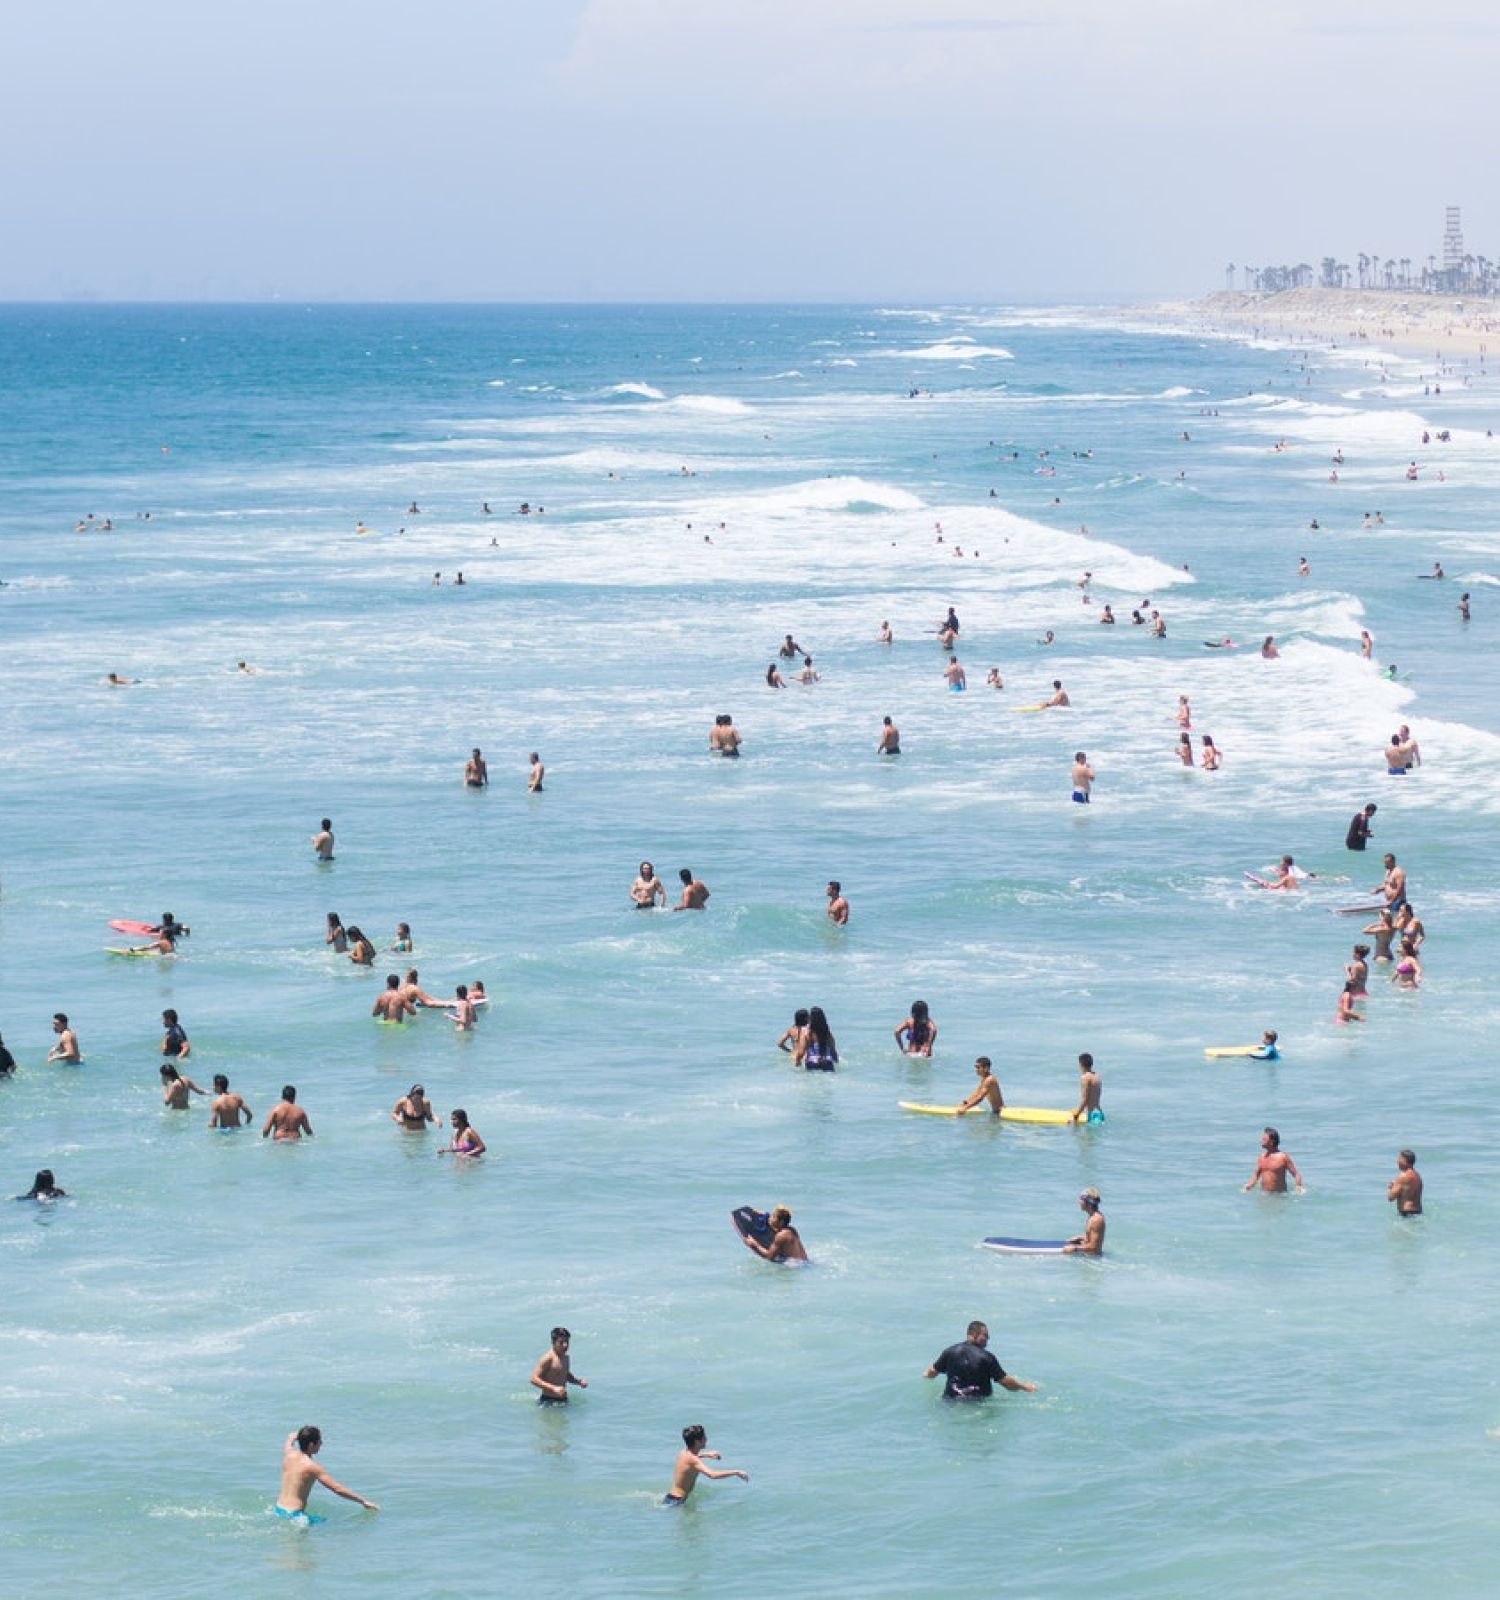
{"points": [[1235, 1050], [1056, 1119]]}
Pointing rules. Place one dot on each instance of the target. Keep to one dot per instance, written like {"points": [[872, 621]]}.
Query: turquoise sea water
{"points": [[1245, 1392]]}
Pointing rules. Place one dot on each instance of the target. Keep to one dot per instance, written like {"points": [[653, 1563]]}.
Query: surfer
{"points": [[890, 739], [838, 906], [226, 1108], [175, 1042], [1090, 1088], [322, 840], [391, 1005], [300, 1471], [688, 1467], [1360, 831], [413, 1111], [175, 1089], [648, 889], [954, 676], [1405, 1189], [972, 1370], [1083, 778], [1272, 1167], [66, 1048], [1393, 885], [1267, 1049], [537, 772], [917, 1033], [476, 771], [989, 1089], [1091, 1241], [1059, 696], [288, 1121], [694, 892], [466, 1140], [553, 1371], [724, 737], [786, 1243]]}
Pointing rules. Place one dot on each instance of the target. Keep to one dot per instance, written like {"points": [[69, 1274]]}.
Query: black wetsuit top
{"points": [[971, 1371], [1359, 831], [174, 1041]]}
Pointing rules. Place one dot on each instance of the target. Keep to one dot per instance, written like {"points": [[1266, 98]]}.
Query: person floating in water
{"points": [[300, 1472], [554, 1372], [1091, 1241], [688, 1467], [971, 1369], [1090, 1088], [786, 1243]]}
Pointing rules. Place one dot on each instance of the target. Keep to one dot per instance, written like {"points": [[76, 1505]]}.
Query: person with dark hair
{"points": [[689, 1467], [466, 1140], [322, 840], [1359, 828], [392, 1003], [7, 1061], [890, 739], [66, 1048], [43, 1187], [476, 771], [838, 906], [288, 1120], [175, 1089], [724, 737], [972, 1370], [648, 889], [1090, 1087], [335, 934], [224, 1113], [819, 1052], [1405, 1189], [413, 1111], [536, 772], [361, 951], [774, 679], [553, 1373], [1083, 778], [793, 1041], [786, 1243], [694, 892], [989, 1089], [917, 1033], [300, 1472], [1272, 1167]]}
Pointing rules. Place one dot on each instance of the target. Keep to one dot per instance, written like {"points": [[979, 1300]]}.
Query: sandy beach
{"points": [[1448, 328]]}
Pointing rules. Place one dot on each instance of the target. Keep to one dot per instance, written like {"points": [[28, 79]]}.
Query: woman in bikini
{"points": [[916, 1033]]}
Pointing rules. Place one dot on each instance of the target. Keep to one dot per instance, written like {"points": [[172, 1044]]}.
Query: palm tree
{"points": [[1229, 276]]}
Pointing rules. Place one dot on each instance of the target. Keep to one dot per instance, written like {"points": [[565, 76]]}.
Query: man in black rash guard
{"points": [[1359, 829], [971, 1370]]}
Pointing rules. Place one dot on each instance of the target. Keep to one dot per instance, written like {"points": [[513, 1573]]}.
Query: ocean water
{"points": [[1245, 1392]]}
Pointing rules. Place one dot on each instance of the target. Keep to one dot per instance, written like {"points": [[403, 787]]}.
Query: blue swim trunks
{"points": [[1096, 1115], [674, 1499], [1080, 798], [306, 1519], [957, 688]]}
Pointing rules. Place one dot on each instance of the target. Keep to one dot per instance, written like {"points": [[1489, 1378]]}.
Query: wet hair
{"points": [[308, 1439], [817, 1025], [327, 822], [887, 721], [770, 672], [696, 1436], [1085, 1060], [833, 883], [919, 1011], [169, 1073], [561, 1333], [221, 1083], [1361, 950], [462, 991], [356, 935], [1408, 1156], [43, 1183], [335, 920], [289, 1091], [1079, 755], [404, 927], [1274, 1137], [647, 867], [977, 1327], [1208, 739], [60, 1016], [460, 1118], [169, 1016], [1272, 1035], [392, 981], [799, 1018], [686, 874]]}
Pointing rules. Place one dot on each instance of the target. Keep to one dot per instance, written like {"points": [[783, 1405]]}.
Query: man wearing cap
{"points": [[1091, 1241], [972, 1370]]}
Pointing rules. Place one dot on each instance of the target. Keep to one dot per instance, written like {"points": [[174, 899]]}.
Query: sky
{"points": [[915, 151]]}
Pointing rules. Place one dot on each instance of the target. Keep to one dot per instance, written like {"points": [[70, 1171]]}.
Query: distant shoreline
{"points": [[1444, 328]]}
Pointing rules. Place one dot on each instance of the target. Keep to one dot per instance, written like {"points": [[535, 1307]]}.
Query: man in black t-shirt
{"points": [[1360, 829], [971, 1370]]}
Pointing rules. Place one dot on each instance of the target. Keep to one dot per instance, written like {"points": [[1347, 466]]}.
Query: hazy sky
{"points": [[910, 150]]}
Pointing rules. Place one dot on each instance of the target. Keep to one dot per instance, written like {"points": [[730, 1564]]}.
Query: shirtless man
{"points": [[476, 771], [1091, 1241], [694, 892], [989, 1089], [66, 1048], [226, 1108], [1398, 757], [1393, 885], [553, 1372], [1405, 1189], [1463, 606], [993, 680], [838, 906], [648, 890], [689, 1467], [535, 774], [954, 675], [1059, 695], [884, 636], [322, 841], [287, 1120], [1286, 876], [413, 1111], [392, 1004], [786, 1242], [1272, 1167], [1404, 734], [300, 1471], [1090, 1087], [415, 994], [1083, 778], [724, 737], [175, 1089], [790, 649], [890, 739], [463, 1012]]}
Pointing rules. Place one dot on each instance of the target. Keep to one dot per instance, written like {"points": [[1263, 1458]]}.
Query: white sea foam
{"points": [[642, 391], [957, 349], [710, 405]]}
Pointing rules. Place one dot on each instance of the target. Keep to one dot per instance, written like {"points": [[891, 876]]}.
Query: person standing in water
{"points": [[838, 906], [694, 892], [890, 739], [392, 1004], [648, 890], [954, 676], [1382, 930], [1405, 1189], [288, 1121], [988, 1089], [1360, 832], [724, 737], [786, 1243], [535, 775], [688, 1467], [553, 1371], [322, 841], [174, 1042], [300, 1472], [1090, 1088], [175, 1089], [917, 1033], [476, 771], [466, 1140], [413, 1111], [1273, 1166], [66, 1049], [972, 1370], [226, 1110], [1083, 778]]}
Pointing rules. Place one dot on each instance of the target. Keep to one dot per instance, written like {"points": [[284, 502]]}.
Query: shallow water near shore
{"points": [[1245, 1391]]}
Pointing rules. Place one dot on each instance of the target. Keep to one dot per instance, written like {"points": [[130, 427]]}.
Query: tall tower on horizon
{"points": [[1453, 242]]}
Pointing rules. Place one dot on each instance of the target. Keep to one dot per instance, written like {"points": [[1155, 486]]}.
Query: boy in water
{"points": [[1272, 1167], [989, 1089], [226, 1108], [552, 1374], [689, 1467], [299, 1472], [1090, 1087]]}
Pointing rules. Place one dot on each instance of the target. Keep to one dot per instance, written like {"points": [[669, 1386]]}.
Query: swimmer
{"points": [[1059, 695], [1287, 877], [1091, 1241], [648, 890], [1411, 744], [790, 649], [1185, 749], [463, 1012], [1184, 714], [885, 635], [1398, 757], [476, 770], [66, 1048], [553, 1371], [117, 682], [794, 1040], [175, 1089], [415, 994], [809, 674], [288, 1121], [890, 739], [1360, 831], [817, 1051], [1107, 616], [1090, 1088], [536, 772], [1158, 625], [413, 1111], [466, 1140], [1272, 1167], [917, 1033], [1083, 778], [786, 1243], [361, 951], [774, 679], [1393, 885], [322, 841], [838, 906], [1213, 757], [949, 623], [1303, 570], [458, 582], [1463, 606], [724, 737], [1409, 924], [1357, 970], [244, 666], [1405, 1189], [988, 1090], [1047, 638], [971, 1369], [688, 1467], [226, 1109], [1382, 930], [44, 1187], [1267, 1049], [300, 1471], [175, 1041], [7, 1061], [1268, 651], [477, 994], [1345, 1011], [335, 935], [391, 1005], [1408, 970], [402, 942], [954, 676], [993, 679], [694, 892]]}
